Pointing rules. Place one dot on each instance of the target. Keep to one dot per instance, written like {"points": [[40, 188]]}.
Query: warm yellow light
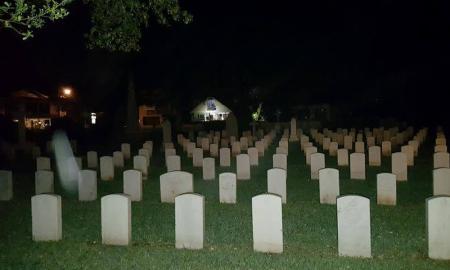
{"points": [[67, 91]]}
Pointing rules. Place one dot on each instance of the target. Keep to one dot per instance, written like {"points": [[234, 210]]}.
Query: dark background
{"points": [[372, 58]]}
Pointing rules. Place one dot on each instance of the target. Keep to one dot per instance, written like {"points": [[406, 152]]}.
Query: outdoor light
{"points": [[66, 92], [93, 118]]}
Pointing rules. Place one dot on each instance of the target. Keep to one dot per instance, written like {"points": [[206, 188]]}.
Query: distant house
{"points": [[37, 108], [149, 117], [210, 110]]}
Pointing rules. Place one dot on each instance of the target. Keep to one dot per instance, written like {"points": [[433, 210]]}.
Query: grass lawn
{"points": [[309, 228]]}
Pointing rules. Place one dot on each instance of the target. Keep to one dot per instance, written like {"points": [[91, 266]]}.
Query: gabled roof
{"points": [[31, 94], [211, 104]]}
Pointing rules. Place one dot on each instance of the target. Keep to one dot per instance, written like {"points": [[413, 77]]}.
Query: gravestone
{"points": [[6, 185], [43, 164], [146, 154], [227, 188], [328, 185], [92, 160], [253, 156], [235, 148], [44, 182], [342, 157], [244, 143], [438, 229], [175, 183], [106, 168], [279, 161], [167, 131], [386, 189], [441, 181], [243, 167], [116, 220], [87, 185], [197, 157], [441, 160], [440, 148], [399, 166], [326, 143], [374, 156], [409, 151], [125, 148], [205, 144], [293, 136], [267, 223], [225, 159], [190, 149], [333, 149], [358, 166], [214, 150], [359, 147], [317, 163], [308, 152], [281, 150], [118, 159], [173, 163], [132, 184], [140, 164], [353, 218], [276, 183], [189, 221], [386, 148], [348, 142], [209, 168], [46, 217], [260, 146]]}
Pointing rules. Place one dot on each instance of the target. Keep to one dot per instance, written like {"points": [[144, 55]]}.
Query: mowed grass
{"points": [[309, 228]]}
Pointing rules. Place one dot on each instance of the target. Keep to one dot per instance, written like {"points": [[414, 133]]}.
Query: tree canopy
{"points": [[116, 25]]}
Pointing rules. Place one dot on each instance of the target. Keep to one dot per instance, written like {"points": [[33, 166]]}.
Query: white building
{"points": [[210, 110]]}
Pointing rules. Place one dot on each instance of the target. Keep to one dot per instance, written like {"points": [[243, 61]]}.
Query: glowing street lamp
{"points": [[66, 92]]}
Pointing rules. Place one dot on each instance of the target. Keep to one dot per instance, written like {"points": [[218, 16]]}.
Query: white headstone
{"points": [[386, 189], [353, 218], [267, 223], [386, 148], [132, 184], [44, 182], [225, 157], [441, 181], [279, 161], [209, 168], [227, 187], [214, 150], [243, 167], [374, 156], [253, 155], [276, 183], [46, 217], [175, 183], [106, 168], [358, 166], [333, 149], [116, 219], [342, 157], [92, 160], [329, 185], [189, 221], [87, 185], [399, 166], [140, 164], [43, 164], [125, 148], [118, 159], [441, 160], [438, 228], [197, 157], [173, 163], [317, 163]]}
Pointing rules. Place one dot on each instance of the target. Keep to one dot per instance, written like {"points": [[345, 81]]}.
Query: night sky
{"points": [[382, 55]]}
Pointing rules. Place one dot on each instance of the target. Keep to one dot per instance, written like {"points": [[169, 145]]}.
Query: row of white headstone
{"points": [[354, 238]]}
